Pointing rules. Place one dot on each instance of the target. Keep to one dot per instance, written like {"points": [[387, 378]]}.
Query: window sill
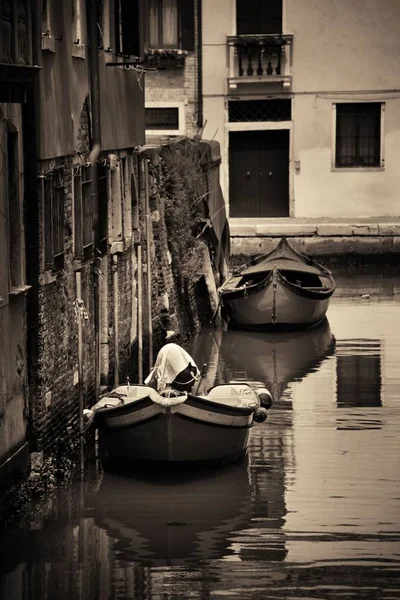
{"points": [[164, 132], [109, 56], [19, 290], [357, 169], [78, 50], [48, 43], [49, 277]]}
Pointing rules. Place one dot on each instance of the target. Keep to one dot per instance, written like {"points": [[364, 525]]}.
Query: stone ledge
{"points": [[288, 230], [365, 229], [243, 230], [334, 229], [389, 229], [321, 245]]}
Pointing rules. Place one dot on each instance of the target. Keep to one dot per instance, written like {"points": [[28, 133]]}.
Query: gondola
{"points": [[170, 420], [280, 290]]}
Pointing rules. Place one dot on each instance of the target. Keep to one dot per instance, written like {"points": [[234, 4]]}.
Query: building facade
{"points": [[172, 60], [71, 122], [304, 99], [18, 70]]}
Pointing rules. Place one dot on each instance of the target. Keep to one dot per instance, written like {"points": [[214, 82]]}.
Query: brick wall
{"points": [[178, 84], [175, 304]]}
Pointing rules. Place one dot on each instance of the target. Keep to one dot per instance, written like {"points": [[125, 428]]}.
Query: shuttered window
{"points": [[358, 134], [127, 24], [54, 200], [101, 232], [83, 214]]}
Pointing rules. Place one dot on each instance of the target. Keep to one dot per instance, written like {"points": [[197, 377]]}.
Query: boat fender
{"points": [[265, 397], [260, 415]]}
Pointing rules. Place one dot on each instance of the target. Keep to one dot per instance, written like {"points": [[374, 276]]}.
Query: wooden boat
{"points": [[279, 290], [169, 421]]}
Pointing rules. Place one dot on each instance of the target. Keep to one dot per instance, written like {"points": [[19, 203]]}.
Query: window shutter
{"points": [[186, 24]]}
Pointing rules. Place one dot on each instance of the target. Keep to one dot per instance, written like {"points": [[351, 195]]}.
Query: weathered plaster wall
{"points": [[354, 47], [344, 45], [323, 191], [342, 50]]}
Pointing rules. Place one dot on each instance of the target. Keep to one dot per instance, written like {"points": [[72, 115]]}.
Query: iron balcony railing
{"points": [[260, 58]]}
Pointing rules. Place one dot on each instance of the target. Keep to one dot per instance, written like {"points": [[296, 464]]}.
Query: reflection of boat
{"points": [[159, 519], [172, 424], [276, 359], [282, 289]]}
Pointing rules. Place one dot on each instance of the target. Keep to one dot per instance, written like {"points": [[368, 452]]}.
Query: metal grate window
{"points": [[162, 118], [358, 134], [260, 110]]}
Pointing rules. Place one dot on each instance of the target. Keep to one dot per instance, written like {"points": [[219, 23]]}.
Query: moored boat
{"points": [[283, 289], [168, 420]]}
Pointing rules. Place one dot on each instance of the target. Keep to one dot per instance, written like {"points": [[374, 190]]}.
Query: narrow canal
{"points": [[312, 512]]}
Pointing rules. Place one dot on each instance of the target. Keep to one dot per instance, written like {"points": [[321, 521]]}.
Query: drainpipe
{"points": [[93, 157], [116, 319], [199, 67], [148, 261]]}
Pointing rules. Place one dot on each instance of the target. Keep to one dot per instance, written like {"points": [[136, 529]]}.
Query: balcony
{"points": [[260, 58]]}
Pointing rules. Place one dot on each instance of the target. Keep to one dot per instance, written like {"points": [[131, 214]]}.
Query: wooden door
{"points": [[259, 173]]}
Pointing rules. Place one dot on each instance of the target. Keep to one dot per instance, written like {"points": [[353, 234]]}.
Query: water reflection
{"points": [[312, 512], [172, 518], [275, 359], [358, 366]]}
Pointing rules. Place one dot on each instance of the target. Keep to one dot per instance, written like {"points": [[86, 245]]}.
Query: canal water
{"points": [[313, 511]]}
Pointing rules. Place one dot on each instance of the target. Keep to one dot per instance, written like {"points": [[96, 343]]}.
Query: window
{"points": [[54, 219], [127, 19], [15, 211], [78, 28], [101, 231], [358, 134], [14, 32], [258, 16], [12, 269], [48, 38], [83, 214], [162, 118], [247, 111], [165, 118], [170, 24]]}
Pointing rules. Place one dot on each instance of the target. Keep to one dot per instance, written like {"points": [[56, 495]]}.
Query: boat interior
{"points": [[302, 279], [235, 395]]}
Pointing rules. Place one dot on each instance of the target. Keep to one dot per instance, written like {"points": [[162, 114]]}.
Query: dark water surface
{"points": [[312, 512]]}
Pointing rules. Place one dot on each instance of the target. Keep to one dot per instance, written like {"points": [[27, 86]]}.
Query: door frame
{"points": [[261, 126]]}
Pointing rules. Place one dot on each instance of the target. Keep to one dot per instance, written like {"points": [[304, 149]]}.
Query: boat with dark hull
{"points": [[283, 289], [173, 422]]}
